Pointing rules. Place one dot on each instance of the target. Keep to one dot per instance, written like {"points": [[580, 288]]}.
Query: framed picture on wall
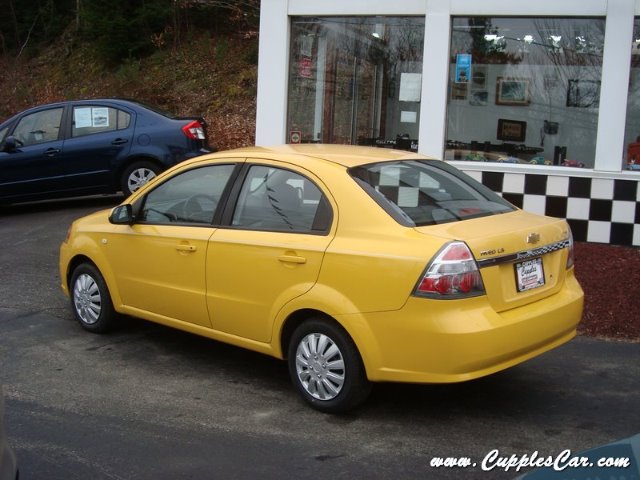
{"points": [[479, 98], [513, 91], [583, 93], [511, 130], [459, 91], [479, 77], [479, 95]]}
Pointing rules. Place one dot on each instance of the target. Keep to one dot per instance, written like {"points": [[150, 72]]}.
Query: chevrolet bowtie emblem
{"points": [[533, 238]]}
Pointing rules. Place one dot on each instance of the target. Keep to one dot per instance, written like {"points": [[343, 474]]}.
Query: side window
{"points": [[39, 127], [188, 198], [89, 120], [124, 119], [281, 200]]}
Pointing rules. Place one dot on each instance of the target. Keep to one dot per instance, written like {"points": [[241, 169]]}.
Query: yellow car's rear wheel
{"points": [[326, 367]]}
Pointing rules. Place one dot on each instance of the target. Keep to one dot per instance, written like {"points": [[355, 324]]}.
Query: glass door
{"points": [[345, 80], [350, 111]]}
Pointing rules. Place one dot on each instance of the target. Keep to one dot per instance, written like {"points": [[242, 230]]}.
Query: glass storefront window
{"points": [[355, 80], [632, 130], [524, 90]]}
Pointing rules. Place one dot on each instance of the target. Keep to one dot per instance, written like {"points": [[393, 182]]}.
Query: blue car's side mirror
{"points": [[11, 144]]}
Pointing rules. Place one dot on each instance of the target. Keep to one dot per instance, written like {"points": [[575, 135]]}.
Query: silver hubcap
{"points": [[320, 366], [139, 177], [86, 298]]}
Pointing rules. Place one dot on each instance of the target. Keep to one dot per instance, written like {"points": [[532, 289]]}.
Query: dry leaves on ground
{"points": [[610, 278]]}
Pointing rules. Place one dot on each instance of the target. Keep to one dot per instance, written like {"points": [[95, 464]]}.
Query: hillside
{"points": [[208, 74]]}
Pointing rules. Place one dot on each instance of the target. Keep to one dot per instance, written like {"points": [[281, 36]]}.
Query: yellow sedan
{"points": [[356, 265]]}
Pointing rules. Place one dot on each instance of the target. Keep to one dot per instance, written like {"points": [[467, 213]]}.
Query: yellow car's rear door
{"points": [[271, 252]]}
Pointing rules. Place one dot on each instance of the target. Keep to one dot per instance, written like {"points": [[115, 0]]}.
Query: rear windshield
{"points": [[427, 192]]}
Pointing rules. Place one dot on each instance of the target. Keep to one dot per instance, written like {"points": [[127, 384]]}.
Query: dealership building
{"points": [[540, 101]]}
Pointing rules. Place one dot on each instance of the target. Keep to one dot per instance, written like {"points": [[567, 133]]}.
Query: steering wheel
{"points": [[172, 217], [192, 208]]}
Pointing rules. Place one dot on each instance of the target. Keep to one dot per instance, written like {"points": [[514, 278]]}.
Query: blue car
{"points": [[88, 147]]}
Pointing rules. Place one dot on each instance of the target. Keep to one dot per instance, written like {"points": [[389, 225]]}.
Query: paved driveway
{"points": [[147, 402]]}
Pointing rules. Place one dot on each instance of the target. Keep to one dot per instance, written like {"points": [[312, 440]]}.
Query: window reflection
{"points": [[355, 80], [524, 90], [632, 131]]}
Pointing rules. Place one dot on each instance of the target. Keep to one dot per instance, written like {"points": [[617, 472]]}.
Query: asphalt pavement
{"points": [[148, 402]]}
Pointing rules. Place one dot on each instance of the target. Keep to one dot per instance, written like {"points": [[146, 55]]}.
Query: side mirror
{"points": [[11, 144], [122, 215]]}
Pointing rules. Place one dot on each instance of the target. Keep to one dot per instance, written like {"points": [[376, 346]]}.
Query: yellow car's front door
{"points": [[271, 252], [160, 261], [161, 272]]}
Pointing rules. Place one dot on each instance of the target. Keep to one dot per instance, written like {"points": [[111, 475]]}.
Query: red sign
{"points": [[295, 136], [305, 66]]}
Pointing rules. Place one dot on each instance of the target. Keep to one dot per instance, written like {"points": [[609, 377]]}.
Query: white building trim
{"points": [[615, 86], [273, 73]]}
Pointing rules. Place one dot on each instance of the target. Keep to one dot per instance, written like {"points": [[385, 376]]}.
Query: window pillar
{"points": [[435, 68], [271, 115], [615, 86]]}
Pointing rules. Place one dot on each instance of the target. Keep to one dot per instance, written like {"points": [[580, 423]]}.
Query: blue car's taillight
{"points": [[194, 130]]}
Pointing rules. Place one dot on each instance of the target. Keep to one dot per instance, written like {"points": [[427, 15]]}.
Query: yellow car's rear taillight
{"points": [[453, 273], [570, 251]]}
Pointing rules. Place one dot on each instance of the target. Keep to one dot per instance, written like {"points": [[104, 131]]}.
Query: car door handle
{"points": [[119, 141], [185, 247], [50, 152], [292, 259]]}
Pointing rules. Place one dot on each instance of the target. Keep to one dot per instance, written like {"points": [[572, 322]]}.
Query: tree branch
{"points": [[35, 20]]}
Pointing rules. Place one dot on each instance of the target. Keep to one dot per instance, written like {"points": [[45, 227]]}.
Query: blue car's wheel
{"points": [[138, 174]]}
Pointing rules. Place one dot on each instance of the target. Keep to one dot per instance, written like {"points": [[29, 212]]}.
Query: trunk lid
{"points": [[522, 256]]}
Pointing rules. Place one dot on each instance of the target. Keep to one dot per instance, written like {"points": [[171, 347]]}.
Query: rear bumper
{"points": [[436, 341]]}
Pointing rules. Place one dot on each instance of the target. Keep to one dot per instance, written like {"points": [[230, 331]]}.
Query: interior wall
{"points": [[472, 119]]}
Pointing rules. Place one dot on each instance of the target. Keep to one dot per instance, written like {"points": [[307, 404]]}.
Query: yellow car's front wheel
{"points": [[90, 299], [326, 367]]}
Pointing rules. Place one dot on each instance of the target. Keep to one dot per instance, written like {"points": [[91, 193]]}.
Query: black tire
{"points": [[136, 175], [332, 379], [90, 299]]}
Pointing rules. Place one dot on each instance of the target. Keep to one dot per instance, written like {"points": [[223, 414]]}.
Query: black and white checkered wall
{"points": [[599, 210]]}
